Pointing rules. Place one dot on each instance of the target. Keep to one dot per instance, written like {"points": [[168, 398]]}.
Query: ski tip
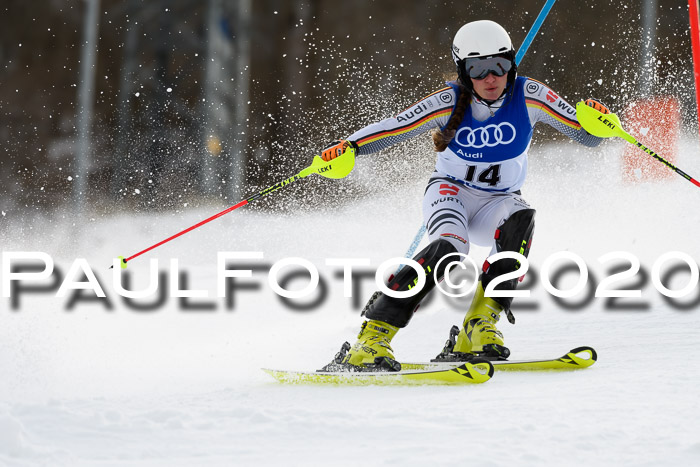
{"points": [[483, 366], [582, 357]]}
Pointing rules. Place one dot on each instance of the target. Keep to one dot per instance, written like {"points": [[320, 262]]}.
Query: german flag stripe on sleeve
{"points": [[539, 82], [404, 129], [429, 95], [553, 113]]}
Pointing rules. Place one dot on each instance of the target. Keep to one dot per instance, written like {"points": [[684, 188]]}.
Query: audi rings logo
{"points": [[487, 136]]}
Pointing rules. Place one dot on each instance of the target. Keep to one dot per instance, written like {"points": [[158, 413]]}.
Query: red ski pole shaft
{"points": [[259, 195], [189, 229], [336, 168]]}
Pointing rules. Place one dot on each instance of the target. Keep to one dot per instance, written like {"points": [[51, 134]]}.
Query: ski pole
{"points": [[608, 125], [518, 58], [339, 167]]}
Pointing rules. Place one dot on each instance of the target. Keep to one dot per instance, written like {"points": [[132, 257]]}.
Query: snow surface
{"points": [[119, 387]]}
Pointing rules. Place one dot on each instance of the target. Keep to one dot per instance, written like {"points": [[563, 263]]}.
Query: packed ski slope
{"points": [[180, 387]]}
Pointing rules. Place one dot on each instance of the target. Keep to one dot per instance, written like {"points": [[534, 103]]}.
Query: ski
{"points": [[575, 359], [475, 371], [472, 372]]}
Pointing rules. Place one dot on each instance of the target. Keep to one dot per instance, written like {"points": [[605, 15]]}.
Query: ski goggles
{"points": [[481, 67]]}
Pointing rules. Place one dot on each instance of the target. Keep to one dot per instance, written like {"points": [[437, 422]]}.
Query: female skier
{"points": [[482, 128]]}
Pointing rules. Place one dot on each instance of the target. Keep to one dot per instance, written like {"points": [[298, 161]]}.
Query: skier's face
{"points": [[491, 87]]}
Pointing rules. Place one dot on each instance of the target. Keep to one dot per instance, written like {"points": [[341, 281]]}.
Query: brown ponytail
{"points": [[441, 138]]}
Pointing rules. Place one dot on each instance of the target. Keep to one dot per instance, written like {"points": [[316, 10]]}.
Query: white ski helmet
{"points": [[482, 38]]}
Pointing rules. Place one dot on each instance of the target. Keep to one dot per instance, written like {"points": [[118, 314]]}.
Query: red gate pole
{"points": [[695, 41]]}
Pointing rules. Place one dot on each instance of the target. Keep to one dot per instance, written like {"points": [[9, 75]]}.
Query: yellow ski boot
{"points": [[478, 335], [371, 352]]}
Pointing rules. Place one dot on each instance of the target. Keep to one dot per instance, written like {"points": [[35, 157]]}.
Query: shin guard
{"points": [[399, 311], [515, 234]]}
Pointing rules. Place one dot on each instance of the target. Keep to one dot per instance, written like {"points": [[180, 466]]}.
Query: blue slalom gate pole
{"points": [[533, 31], [518, 58]]}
